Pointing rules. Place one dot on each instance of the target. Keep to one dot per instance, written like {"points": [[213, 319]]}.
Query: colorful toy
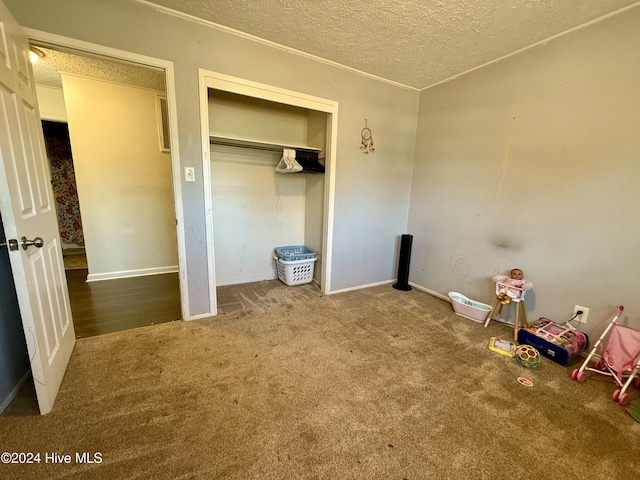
{"points": [[617, 354], [502, 347], [525, 382], [634, 411], [559, 342], [509, 289], [527, 356]]}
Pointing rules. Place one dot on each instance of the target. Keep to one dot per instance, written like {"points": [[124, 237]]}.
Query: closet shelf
{"points": [[256, 144]]}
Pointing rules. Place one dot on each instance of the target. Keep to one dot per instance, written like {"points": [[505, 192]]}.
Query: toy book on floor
{"points": [[503, 347]]}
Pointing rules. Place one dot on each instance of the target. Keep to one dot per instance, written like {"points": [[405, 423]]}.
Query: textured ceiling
{"points": [[47, 70], [416, 43]]}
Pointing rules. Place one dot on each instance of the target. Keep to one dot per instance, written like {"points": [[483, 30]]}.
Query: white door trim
{"points": [[219, 81], [80, 45]]}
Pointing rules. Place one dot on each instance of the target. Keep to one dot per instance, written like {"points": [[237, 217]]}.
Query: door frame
{"points": [[208, 79], [81, 46]]}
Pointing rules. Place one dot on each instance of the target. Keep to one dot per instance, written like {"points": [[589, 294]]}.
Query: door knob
{"points": [[12, 243], [36, 242]]}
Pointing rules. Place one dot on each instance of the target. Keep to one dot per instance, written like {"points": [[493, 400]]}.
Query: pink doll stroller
{"points": [[618, 357]]}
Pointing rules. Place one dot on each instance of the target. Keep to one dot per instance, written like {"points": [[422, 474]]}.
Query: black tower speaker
{"points": [[403, 263]]}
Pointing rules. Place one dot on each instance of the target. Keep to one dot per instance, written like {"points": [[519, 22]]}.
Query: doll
{"points": [[512, 285]]}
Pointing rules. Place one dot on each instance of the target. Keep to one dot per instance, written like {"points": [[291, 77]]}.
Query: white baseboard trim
{"points": [[447, 299], [199, 316], [7, 401], [244, 281], [416, 286], [261, 279], [360, 287], [95, 277], [431, 292]]}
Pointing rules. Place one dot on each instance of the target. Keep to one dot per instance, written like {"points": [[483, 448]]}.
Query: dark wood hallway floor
{"points": [[121, 304]]}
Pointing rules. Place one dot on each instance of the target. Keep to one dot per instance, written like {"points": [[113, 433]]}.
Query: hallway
{"points": [[121, 304]]}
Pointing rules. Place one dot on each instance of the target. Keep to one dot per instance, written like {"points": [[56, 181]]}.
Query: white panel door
{"points": [[28, 211]]}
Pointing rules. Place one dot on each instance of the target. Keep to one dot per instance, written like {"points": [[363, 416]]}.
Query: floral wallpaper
{"points": [[63, 180]]}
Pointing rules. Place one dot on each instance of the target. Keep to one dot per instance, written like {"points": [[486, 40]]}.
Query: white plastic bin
{"points": [[467, 308], [295, 264]]}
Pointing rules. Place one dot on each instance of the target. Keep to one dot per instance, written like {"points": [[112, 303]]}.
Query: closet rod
{"points": [[255, 145], [269, 148]]}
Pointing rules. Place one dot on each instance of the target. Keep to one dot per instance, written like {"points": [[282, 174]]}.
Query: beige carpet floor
{"points": [[286, 383]]}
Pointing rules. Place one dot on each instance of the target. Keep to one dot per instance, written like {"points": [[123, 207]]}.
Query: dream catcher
{"points": [[366, 144]]}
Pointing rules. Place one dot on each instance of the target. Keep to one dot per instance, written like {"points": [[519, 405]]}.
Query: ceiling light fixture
{"points": [[35, 54]]}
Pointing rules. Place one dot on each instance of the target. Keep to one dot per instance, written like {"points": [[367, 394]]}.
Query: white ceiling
{"points": [[415, 43], [47, 70]]}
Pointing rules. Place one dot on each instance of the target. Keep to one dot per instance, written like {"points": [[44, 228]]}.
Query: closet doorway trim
{"points": [[219, 81]]}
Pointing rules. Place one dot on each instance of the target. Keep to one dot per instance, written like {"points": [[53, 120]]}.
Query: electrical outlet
{"points": [[189, 174], [583, 317]]}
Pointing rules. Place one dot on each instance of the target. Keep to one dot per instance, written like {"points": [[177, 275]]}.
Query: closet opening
{"points": [[255, 208]]}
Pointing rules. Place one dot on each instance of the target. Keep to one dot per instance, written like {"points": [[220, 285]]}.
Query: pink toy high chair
{"points": [[506, 294]]}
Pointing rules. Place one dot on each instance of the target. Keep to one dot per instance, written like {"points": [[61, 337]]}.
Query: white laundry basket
{"points": [[295, 264]]}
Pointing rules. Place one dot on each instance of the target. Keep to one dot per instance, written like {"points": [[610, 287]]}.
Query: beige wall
{"points": [[532, 162], [315, 187], [255, 209], [124, 181], [372, 191], [243, 117]]}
